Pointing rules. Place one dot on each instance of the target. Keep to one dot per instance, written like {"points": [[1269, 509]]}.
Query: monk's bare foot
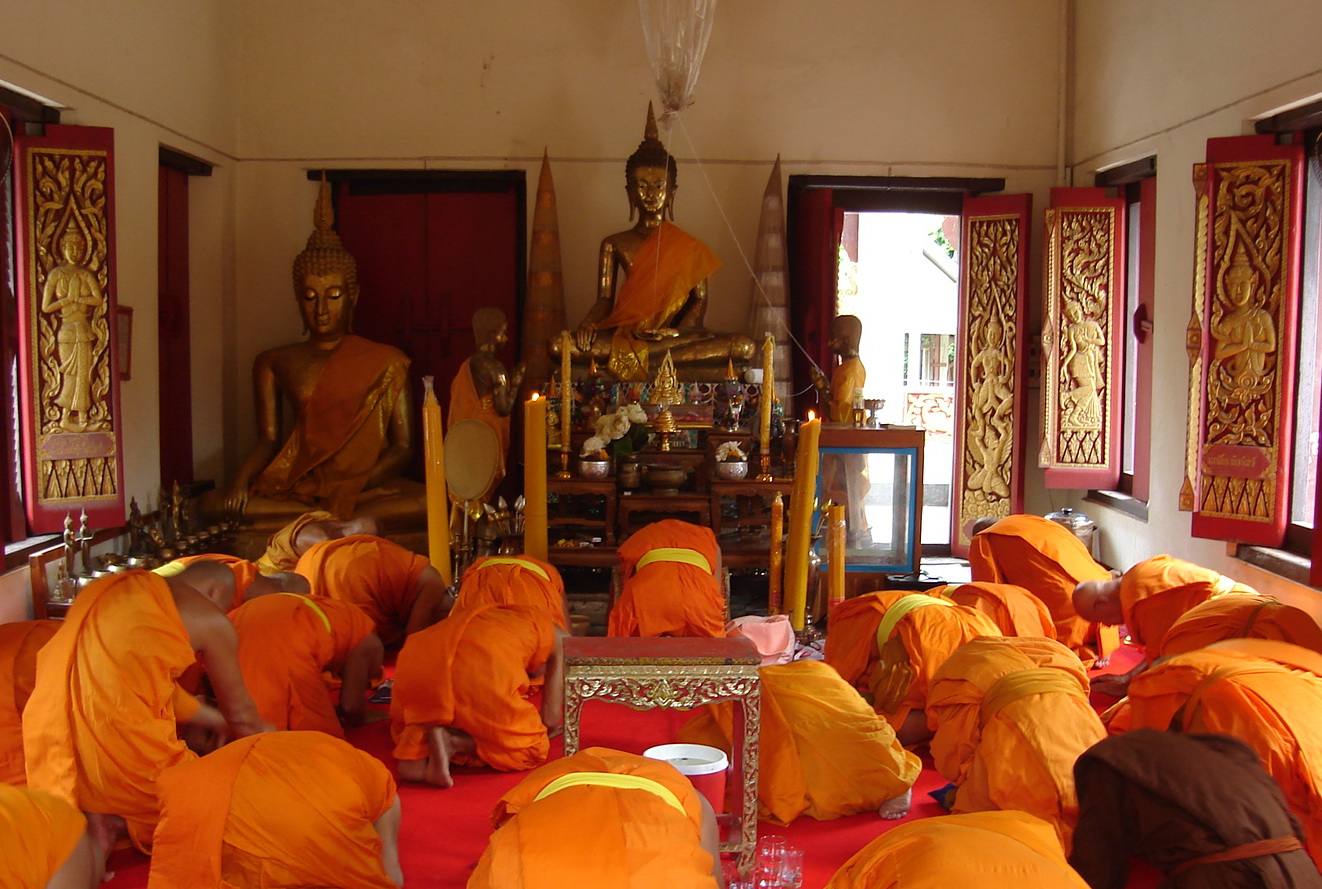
{"points": [[440, 744], [895, 809]]}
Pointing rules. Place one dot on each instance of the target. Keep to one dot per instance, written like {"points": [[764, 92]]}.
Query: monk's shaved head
{"points": [[1099, 601], [212, 579], [982, 524]]}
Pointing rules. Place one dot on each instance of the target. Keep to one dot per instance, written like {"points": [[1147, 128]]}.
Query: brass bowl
{"points": [[662, 478]]}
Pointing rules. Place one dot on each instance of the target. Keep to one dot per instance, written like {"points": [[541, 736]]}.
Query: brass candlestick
{"points": [[765, 475], [564, 465]]}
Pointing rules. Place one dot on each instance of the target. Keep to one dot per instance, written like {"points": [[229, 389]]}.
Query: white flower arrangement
{"points": [[622, 432], [730, 452]]}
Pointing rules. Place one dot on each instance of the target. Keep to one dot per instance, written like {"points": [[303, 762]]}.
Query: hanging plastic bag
{"points": [[675, 33]]}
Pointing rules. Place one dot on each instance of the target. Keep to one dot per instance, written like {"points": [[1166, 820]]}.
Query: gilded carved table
{"points": [[680, 673]]}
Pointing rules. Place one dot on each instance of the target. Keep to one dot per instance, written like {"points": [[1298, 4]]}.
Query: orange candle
{"points": [[775, 576], [768, 396], [438, 501], [534, 477], [566, 389], [836, 534], [801, 509]]}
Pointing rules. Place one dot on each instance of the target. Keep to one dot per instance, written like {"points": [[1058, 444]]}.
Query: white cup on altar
{"points": [[704, 766]]}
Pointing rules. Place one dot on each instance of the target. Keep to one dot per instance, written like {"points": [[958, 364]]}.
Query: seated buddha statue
{"points": [[352, 433], [662, 300]]}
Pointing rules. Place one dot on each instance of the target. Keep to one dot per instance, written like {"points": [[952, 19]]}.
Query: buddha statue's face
{"points": [[650, 189], [326, 303], [1239, 281]]}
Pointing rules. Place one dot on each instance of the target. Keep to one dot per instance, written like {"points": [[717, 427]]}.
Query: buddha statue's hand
{"points": [[236, 500], [818, 378], [657, 334], [584, 337], [516, 375]]}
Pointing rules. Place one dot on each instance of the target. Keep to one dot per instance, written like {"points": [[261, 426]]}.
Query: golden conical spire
{"points": [[650, 131]]}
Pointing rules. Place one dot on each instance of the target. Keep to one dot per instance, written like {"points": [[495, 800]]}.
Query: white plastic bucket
{"points": [[704, 766]]}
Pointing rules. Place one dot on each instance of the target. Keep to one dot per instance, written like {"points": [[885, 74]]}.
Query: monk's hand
{"points": [[1115, 686], [555, 731], [584, 337]]}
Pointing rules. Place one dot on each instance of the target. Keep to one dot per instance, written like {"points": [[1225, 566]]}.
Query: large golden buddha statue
{"points": [[352, 431], [660, 304]]}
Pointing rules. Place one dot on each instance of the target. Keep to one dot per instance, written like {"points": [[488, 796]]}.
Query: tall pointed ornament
{"points": [[769, 299], [544, 310]]}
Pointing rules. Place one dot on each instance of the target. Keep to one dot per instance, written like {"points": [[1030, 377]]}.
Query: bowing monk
{"points": [[102, 722], [601, 818], [1149, 598], [287, 643], [399, 589], [989, 850], [460, 693], [280, 809], [1262, 692], [19, 644], [672, 587], [1199, 807], [45, 843], [1012, 608], [286, 546], [1242, 616], [1044, 558], [1009, 716], [515, 580], [890, 644], [824, 752], [249, 581]]}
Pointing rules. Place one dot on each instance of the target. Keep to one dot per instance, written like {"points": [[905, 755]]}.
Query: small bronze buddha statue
{"points": [[483, 389], [661, 303]]}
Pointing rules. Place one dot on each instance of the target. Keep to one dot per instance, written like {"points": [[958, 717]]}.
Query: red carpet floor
{"points": [[444, 831]]}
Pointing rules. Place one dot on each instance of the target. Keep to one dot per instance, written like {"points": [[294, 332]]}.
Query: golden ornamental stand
{"points": [[665, 391]]}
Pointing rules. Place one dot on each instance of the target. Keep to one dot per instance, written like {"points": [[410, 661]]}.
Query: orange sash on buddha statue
{"points": [[668, 265], [340, 431], [466, 404]]}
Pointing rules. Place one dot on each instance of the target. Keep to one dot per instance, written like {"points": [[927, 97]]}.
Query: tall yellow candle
{"points": [[801, 509], [836, 534], [768, 396], [776, 572], [534, 477], [438, 500], [566, 388]]}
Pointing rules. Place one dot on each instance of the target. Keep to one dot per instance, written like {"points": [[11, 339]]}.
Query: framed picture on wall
{"points": [[124, 329]]}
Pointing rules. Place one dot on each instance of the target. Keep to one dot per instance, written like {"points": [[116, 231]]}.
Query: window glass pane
{"points": [[1133, 291], [1304, 480]]}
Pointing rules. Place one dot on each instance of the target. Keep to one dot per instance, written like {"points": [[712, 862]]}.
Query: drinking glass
{"points": [[770, 855], [791, 867]]}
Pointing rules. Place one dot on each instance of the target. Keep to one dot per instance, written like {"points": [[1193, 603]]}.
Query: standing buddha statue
{"points": [[483, 389]]}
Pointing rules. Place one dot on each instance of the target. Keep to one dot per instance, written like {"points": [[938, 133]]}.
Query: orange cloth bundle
{"points": [[281, 548], [378, 576], [19, 644], [38, 832], [669, 598], [1012, 608], [514, 580]]}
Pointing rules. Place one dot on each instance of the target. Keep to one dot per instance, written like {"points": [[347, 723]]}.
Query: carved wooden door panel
{"points": [[991, 381], [68, 351], [1083, 329], [1254, 190]]}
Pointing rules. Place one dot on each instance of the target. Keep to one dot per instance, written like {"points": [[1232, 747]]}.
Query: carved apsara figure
{"points": [[73, 292], [1082, 342], [1245, 336], [990, 415], [662, 300], [482, 389]]}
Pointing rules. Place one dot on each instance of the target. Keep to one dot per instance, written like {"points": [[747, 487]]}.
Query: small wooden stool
{"points": [[680, 673]]}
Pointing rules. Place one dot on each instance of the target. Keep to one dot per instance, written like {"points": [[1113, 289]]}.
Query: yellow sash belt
{"points": [[903, 606], [1037, 681], [325, 621], [674, 554], [612, 779], [1221, 586], [170, 569], [526, 564]]}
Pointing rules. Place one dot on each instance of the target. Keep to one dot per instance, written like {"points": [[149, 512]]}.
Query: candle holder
{"points": [[764, 462], [564, 465]]}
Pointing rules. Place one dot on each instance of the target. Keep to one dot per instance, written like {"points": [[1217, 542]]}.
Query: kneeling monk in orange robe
{"points": [[1010, 716], [515, 580], [19, 644], [989, 850], [286, 546], [601, 818], [399, 589], [281, 809], [1012, 608], [286, 644], [45, 844], [824, 752], [461, 687], [1262, 692], [1242, 616], [102, 722], [1045, 558], [672, 585], [249, 582], [890, 644]]}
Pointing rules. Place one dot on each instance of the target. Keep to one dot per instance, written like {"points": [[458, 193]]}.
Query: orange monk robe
{"points": [[466, 404], [846, 383], [1010, 716], [470, 672], [514, 580], [38, 832], [378, 576], [101, 724], [667, 597], [1156, 592], [1014, 609], [1044, 558], [898, 668], [341, 430], [275, 809], [1241, 616], [640, 837], [286, 643], [989, 850], [244, 572], [1264, 693], [19, 644], [282, 550], [824, 752], [665, 268]]}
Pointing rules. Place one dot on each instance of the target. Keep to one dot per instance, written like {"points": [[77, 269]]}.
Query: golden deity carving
{"points": [[990, 431], [1082, 357], [72, 293], [1244, 334], [661, 302], [352, 434]]}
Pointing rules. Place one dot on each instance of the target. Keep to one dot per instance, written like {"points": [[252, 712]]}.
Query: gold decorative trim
{"points": [[1193, 342]]}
